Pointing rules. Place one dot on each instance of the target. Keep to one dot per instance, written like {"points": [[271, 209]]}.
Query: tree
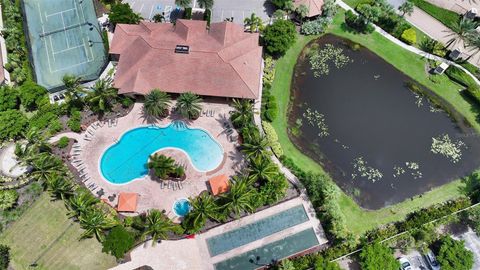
{"points": [[206, 4], [243, 112], [118, 241], [203, 207], [8, 198], [156, 103], [4, 257], [188, 104], [44, 166], [256, 147], [73, 88], [329, 9], [95, 222], [161, 165], [279, 14], [32, 95], [377, 256], [81, 202], [281, 3], [123, 13], [158, 18], [287, 265], [183, 3], [239, 198], [370, 13], [59, 186], [13, 124], [302, 11], [157, 225], [253, 23], [263, 169], [406, 8], [102, 95], [322, 264], [453, 255], [279, 37], [461, 30], [8, 98]]}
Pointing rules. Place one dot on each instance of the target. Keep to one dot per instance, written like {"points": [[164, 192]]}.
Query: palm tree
{"points": [[80, 202], [94, 222], [183, 3], [156, 103], [59, 186], [101, 97], [243, 112], [263, 169], [239, 198], [473, 43], [162, 165], [35, 143], [203, 207], [256, 147], [206, 4], [73, 87], [45, 165], [406, 8], [188, 104], [158, 18], [253, 23], [461, 30], [158, 225]]}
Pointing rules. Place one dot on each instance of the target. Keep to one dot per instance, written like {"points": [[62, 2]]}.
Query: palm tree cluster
{"points": [[189, 105], [157, 104], [163, 167], [156, 226]]}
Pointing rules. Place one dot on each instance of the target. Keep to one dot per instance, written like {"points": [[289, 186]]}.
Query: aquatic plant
{"points": [[316, 119], [418, 100], [434, 109], [398, 171], [320, 59], [443, 145], [364, 170]]}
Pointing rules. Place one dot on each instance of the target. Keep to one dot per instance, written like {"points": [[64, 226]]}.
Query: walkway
{"points": [[437, 30]]}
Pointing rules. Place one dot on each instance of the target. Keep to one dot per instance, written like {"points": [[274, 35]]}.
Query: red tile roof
{"points": [[224, 61], [314, 6]]}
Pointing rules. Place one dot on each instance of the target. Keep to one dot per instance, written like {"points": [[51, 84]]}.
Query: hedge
{"points": [[272, 138], [409, 36]]}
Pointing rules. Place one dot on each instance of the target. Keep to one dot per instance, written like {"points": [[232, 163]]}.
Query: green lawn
{"points": [[45, 234], [358, 219], [445, 16]]}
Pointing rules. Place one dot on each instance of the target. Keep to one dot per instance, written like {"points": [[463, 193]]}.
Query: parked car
{"points": [[431, 260], [405, 264]]}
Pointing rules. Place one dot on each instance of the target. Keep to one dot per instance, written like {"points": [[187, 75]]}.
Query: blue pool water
{"points": [[181, 207], [127, 159]]}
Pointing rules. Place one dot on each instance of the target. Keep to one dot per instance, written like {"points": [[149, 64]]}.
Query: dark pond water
{"points": [[377, 133]]}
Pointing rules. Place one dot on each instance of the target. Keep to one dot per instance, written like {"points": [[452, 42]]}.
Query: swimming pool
{"points": [[127, 159], [181, 207]]}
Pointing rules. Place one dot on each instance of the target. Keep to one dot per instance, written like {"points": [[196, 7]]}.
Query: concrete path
{"points": [[3, 49], [437, 30]]}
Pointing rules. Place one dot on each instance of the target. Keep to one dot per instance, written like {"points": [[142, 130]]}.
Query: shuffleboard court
{"points": [[64, 38]]}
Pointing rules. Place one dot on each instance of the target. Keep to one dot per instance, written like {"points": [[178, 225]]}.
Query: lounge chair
{"points": [[86, 179], [115, 122], [87, 139], [174, 186], [109, 123], [169, 184], [180, 186], [162, 185]]}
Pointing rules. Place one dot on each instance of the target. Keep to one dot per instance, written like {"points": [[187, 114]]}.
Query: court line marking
{"points": [[151, 11], [65, 32], [141, 7], [68, 49], [60, 12], [51, 46]]}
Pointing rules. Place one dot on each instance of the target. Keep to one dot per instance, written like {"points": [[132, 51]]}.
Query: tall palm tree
{"points": [[206, 4], [188, 104], [262, 169], [157, 225], [94, 222], [406, 8], [243, 112], [256, 147], [80, 202], [102, 95], [59, 186], [45, 165], [203, 207], [461, 30], [156, 103], [73, 88], [161, 165], [239, 198], [253, 23], [35, 143], [183, 3]]}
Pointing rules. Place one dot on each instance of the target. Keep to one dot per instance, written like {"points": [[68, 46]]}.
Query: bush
{"points": [[279, 37], [409, 36], [8, 198], [32, 95], [357, 23], [127, 102], [123, 13], [118, 242], [453, 255], [8, 98], [4, 257], [272, 138], [13, 123], [314, 27], [269, 106], [377, 256], [188, 13], [63, 142], [74, 123], [474, 92]]}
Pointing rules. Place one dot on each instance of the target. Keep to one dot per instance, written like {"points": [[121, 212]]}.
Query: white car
{"points": [[431, 260], [405, 264]]}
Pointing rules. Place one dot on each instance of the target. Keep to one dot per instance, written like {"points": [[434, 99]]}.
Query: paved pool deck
{"points": [[150, 193]]}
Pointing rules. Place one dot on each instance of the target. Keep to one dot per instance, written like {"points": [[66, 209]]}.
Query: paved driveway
{"points": [[222, 9]]}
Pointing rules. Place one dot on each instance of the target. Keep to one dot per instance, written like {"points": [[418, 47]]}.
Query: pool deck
{"points": [[150, 193]]}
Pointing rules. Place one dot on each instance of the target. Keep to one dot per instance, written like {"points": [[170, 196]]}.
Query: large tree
{"points": [[156, 103], [243, 112], [13, 124], [102, 94], [253, 23], [189, 105], [377, 256], [203, 207], [8, 98], [279, 37], [123, 13], [453, 255], [157, 226], [32, 95]]}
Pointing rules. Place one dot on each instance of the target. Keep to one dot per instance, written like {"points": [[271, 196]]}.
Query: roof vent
{"points": [[182, 49]]}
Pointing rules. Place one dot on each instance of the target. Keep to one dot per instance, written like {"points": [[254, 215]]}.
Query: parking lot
{"points": [[222, 9]]}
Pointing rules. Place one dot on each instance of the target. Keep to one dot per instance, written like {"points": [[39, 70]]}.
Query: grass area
{"points": [[44, 233], [360, 220], [445, 16]]}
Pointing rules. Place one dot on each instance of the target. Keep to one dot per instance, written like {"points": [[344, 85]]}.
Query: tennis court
{"points": [[64, 38]]}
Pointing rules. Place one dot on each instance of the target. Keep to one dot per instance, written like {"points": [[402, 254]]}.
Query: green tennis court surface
{"points": [[64, 38]]}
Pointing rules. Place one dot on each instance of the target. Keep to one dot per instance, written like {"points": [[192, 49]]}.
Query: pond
{"points": [[382, 143]]}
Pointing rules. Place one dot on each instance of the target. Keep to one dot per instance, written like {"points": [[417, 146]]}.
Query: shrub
{"points": [[63, 142], [187, 13], [314, 27], [8, 198], [55, 126], [118, 242], [279, 37], [269, 106], [126, 102], [272, 138], [268, 73], [474, 92], [4, 257], [12, 124], [74, 123], [32, 95], [123, 13], [8, 98], [358, 23], [409, 36], [377, 256], [453, 255]]}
